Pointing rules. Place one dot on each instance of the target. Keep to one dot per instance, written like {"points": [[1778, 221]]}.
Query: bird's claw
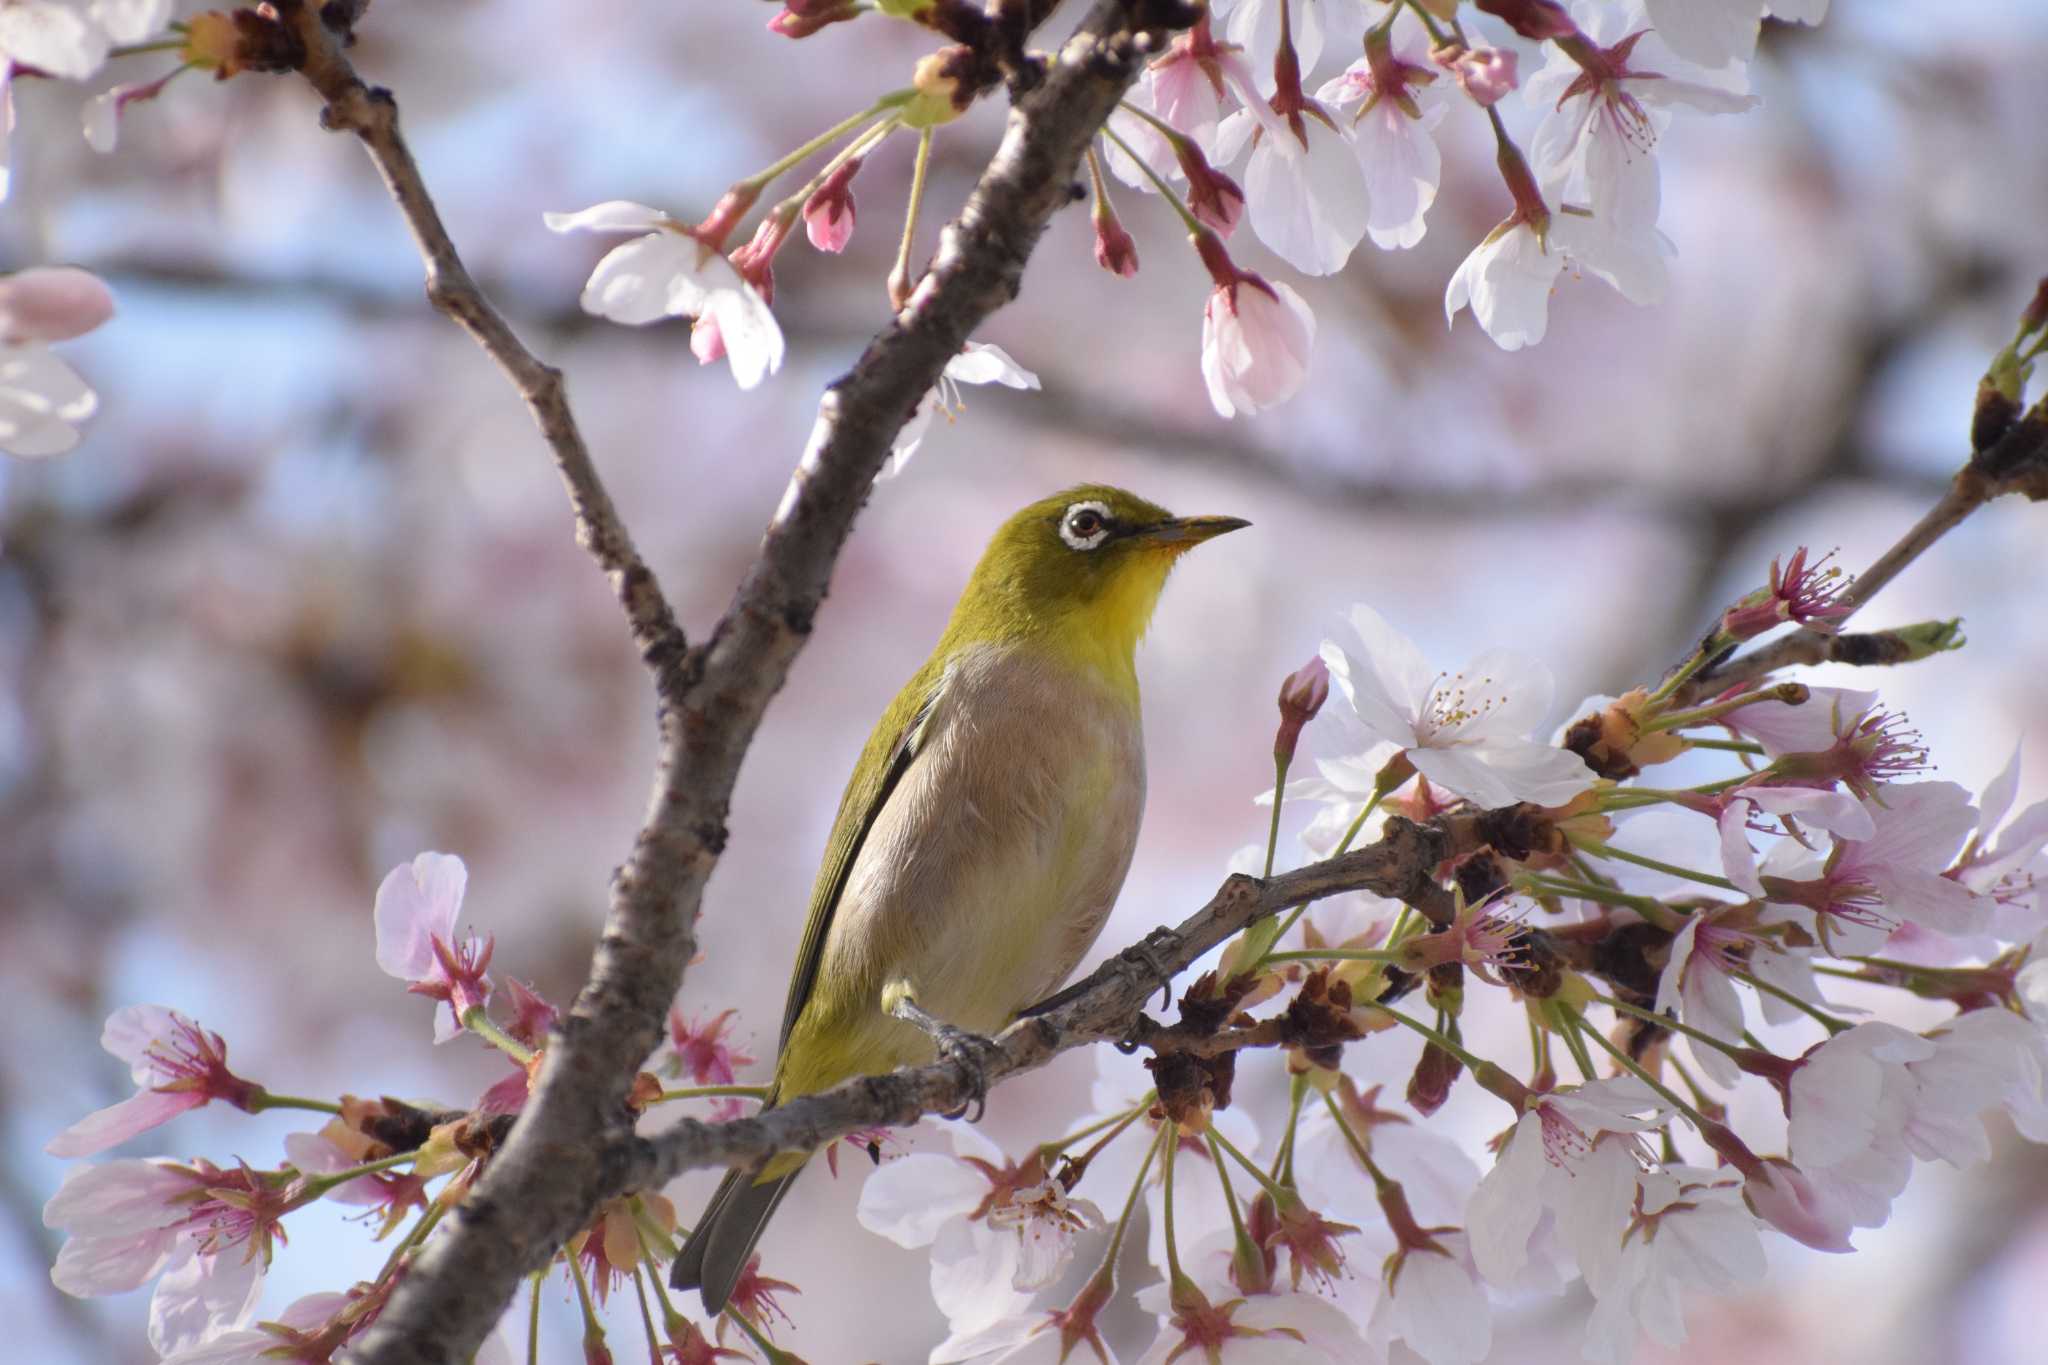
{"points": [[1150, 953], [972, 1053]]}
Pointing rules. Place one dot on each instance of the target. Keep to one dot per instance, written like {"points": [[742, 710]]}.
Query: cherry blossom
{"points": [[1303, 185], [416, 942], [1467, 731], [668, 271], [1698, 986], [1801, 593], [1739, 811], [1401, 101], [1569, 1156], [1607, 96], [978, 363], [1690, 1231], [1867, 887], [176, 1066], [1435, 1302], [58, 39], [999, 1230], [1254, 1329], [130, 1222], [1256, 340], [1507, 279], [1037, 1336], [2003, 861], [1188, 86], [1986, 1058], [41, 398]]}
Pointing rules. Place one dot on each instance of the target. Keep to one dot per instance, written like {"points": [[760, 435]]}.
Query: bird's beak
{"points": [[1184, 533]]}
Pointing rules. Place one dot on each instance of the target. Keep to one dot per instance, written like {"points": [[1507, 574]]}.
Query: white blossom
{"points": [[1467, 731], [978, 363], [666, 272]]}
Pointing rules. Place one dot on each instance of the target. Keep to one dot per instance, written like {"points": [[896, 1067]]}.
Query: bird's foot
{"points": [[972, 1053], [1150, 952]]}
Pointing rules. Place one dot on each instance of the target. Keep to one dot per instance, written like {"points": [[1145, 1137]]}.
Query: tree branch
{"points": [[563, 1157], [372, 115], [1106, 1006]]}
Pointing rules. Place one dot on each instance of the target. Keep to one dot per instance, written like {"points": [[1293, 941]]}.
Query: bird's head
{"points": [[1087, 563]]}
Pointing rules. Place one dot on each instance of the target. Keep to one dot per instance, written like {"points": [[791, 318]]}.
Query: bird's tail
{"points": [[718, 1247]]}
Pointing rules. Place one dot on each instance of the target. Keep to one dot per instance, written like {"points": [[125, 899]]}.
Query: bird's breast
{"points": [[994, 864]]}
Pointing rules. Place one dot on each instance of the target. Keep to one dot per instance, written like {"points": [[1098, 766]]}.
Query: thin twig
{"points": [[1106, 1006], [372, 115]]}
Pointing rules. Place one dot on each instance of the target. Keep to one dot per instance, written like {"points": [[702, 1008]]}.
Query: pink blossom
{"points": [[704, 1054], [1868, 887], [1256, 337], [1607, 96], [51, 303], [1690, 1231], [176, 1066], [1485, 74], [203, 1233], [1399, 104], [1801, 593], [416, 941], [1571, 1155]]}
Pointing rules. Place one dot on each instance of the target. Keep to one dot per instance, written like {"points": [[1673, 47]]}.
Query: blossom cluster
{"points": [[1315, 121], [1697, 917], [1232, 124], [1663, 946]]}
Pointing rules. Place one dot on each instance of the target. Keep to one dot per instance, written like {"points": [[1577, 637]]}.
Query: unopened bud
{"points": [[1114, 249], [802, 20], [828, 213], [2034, 316], [1302, 694], [1484, 73]]}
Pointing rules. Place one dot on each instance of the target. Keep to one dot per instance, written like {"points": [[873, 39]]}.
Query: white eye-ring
{"points": [[1085, 525]]}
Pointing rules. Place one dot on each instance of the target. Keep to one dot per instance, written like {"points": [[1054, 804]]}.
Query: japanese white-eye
{"points": [[986, 829]]}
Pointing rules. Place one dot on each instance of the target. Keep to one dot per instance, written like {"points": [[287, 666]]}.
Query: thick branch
{"points": [[1104, 1007], [561, 1160]]}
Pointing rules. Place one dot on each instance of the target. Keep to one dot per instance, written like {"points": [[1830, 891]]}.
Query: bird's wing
{"points": [[890, 751]]}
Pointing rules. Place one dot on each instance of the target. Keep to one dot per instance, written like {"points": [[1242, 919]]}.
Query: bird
{"points": [[985, 832]]}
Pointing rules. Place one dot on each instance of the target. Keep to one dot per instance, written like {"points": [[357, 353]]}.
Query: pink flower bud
{"points": [[1114, 249], [1302, 694], [1485, 73], [802, 19], [52, 303], [1803, 593], [828, 214]]}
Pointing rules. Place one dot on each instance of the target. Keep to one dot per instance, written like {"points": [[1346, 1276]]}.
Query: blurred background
{"points": [[305, 602]]}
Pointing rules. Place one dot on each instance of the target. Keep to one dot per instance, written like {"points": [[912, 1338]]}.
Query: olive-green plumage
{"points": [[987, 826]]}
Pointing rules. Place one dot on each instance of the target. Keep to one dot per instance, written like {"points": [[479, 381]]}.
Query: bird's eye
{"points": [[1085, 526]]}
